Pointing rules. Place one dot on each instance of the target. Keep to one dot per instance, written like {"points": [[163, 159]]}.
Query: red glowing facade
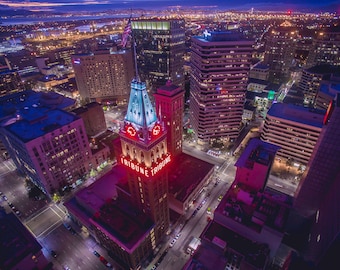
{"points": [[146, 157]]}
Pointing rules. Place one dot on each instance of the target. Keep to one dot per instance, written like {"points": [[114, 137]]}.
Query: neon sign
{"points": [[131, 131], [328, 112], [156, 130], [146, 171], [76, 61]]}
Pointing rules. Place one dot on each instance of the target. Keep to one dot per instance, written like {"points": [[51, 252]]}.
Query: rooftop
{"points": [[220, 36], [249, 107], [261, 65], [324, 69], [255, 209], [250, 95], [169, 89], [257, 151], [222, 248], [16, 242], [257, 81], [36, 112], [86, 107], [36, 123], [93, 197], [97, 204], [272, 86], [330, 89], [123, 222], [185, 173], [299, 114]]}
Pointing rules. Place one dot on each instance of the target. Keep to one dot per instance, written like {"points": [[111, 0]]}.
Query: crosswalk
{"points": [[46, 221], [6, 167]]}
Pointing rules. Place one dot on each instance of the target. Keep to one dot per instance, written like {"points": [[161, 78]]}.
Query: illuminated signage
{"points": [[76, 61], [146, 171], [206, 34], [224, 92], [328, 112], [131, 131], [271, 95], [156, 130]]}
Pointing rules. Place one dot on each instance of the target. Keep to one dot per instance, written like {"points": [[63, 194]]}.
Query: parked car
{"points": [[53, 253], [68, 227], [96, 253], [105, 262]]}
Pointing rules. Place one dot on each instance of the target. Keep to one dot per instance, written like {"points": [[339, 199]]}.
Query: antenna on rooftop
{"points": [[135, 58]]}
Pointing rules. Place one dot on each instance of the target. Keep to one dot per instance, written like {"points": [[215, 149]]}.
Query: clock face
{"points": [[131, 131], [156, 130]]}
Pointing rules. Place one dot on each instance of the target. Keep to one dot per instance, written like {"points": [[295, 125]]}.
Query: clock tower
{"points": [[145, 155]]}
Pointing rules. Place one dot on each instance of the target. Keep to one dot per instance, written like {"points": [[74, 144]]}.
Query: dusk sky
{"points": [[90, 5]]}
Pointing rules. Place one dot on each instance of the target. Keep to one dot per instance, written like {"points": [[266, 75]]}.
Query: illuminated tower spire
{"points": [[146, 157], [140, 114]]}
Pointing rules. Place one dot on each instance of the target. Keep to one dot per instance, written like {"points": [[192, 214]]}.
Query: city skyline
{"points": [[96, 6], [202, 170]]}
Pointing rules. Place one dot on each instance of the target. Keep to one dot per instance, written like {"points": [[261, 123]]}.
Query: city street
{"points": [[12, 185], [45, 222], [177, 256], [75, 250]]}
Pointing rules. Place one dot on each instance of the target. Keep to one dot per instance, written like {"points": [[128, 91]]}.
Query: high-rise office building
{"points": [[327, 92], [104, 75], [169, 101], [10, 81], [46, 143], [19, 249], [279, 51], [133, 225], [4, 63], [145, 153], [294, 128], [93, 117], [160, 48], [325, 48], [317, 194], [220, 62], [248, 224], [312, 78], [127, 210], [62, 55]]}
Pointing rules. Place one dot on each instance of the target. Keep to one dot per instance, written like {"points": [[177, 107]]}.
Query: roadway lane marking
{"points": [[48, 228], [9, 165], [61, 218], [4, 173]]}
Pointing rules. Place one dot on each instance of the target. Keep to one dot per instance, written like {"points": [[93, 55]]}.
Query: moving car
{"points": [[172, 243]]}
